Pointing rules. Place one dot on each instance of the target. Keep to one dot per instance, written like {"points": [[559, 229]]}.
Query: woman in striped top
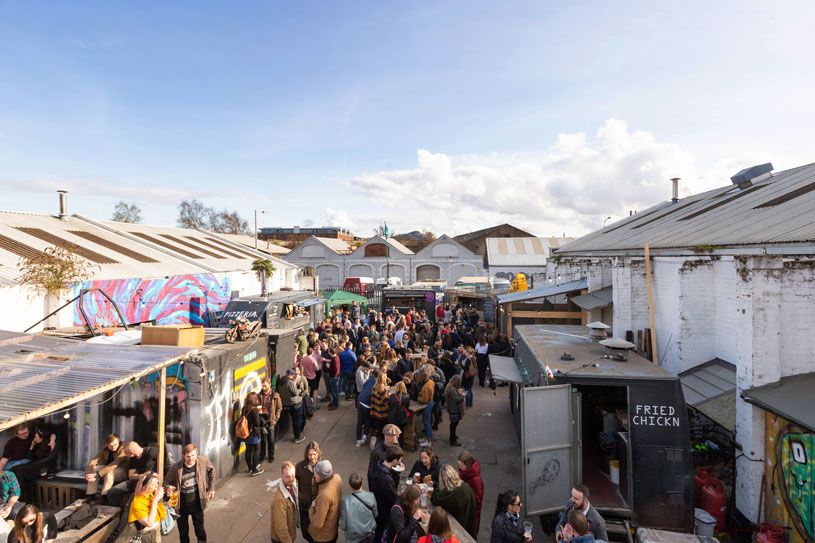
{"points": [[380, 409]]}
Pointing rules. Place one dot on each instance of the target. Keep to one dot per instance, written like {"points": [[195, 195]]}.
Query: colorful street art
{"points": [[790, 498], [180, 299]]}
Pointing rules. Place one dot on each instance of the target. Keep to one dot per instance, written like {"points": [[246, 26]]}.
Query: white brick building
{"points": [[733, 277], [333, 262]]}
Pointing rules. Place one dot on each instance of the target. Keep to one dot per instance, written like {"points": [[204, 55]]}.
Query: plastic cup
{"points": [[528, 530]]}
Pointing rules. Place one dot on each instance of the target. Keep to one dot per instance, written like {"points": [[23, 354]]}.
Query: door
{"points": [[550, 430], [428, 272]]}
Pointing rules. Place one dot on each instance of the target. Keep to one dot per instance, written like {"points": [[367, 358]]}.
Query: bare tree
{"points": [[228, 222], [124, 212], [380, 231], [194, 214]]}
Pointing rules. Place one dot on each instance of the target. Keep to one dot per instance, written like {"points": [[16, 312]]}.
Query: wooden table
{"points": [[96, 531], [458, 530], [409, 439]]}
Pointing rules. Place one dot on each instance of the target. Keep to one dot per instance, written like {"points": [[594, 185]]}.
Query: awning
{"points": [[595, 300], [791, 398], [543, 292], [504, 368], [310, 302], [711, 389]]}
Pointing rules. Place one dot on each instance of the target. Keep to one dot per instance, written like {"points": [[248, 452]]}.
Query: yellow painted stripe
{"points": [[238, 387], [249, 368]]}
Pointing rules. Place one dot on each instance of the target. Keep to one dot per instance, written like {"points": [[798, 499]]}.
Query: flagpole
{"points": [[387, 257]]}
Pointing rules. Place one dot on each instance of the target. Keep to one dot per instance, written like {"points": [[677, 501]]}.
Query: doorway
{"points": [[605, 446]]}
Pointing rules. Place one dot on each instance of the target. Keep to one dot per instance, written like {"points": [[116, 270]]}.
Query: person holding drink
{"points": [[506, 525], [191, 484]]}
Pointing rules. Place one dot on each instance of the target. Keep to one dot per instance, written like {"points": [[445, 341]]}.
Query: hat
{"points": [[391, 430], [290, 372], [323, 469]]}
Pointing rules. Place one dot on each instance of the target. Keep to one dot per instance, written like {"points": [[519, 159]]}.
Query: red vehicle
{"points": [[362, 286]]}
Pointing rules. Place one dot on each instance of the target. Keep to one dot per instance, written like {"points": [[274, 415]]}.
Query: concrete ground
{"points": [[239, 512]]}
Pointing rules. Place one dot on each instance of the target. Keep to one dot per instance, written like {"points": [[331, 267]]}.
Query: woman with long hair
{"points": [[427, 465], [467, 382], [457, 498], [399, 401], [506, 524], [147, 509], [438, 528], [470, 472], [454, 402], [32, 526], [306, 485], [426, 395], [379, 407], [404, 516], [250, 411]]}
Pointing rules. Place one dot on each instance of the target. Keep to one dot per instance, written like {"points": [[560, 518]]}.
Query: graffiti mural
{"points": [[180, 299], [790, 497]]}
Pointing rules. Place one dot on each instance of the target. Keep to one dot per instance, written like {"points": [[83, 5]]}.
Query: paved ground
{"points": [[239, 512]]}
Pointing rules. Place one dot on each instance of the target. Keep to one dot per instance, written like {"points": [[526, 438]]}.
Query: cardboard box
{"points": [[180, 335]]}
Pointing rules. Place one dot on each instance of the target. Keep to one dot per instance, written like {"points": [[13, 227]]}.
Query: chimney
{"points": [[63, 204], [675, 194]]}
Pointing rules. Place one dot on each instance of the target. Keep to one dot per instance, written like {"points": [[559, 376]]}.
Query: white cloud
{"points": [[569, 187]]}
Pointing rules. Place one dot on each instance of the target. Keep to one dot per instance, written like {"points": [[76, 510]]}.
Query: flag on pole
{"points": [[386, 230]]}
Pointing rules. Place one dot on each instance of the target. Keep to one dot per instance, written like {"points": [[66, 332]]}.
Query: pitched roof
{"points": [[444, 238], [522, 251], [485, 231], [390, 241], [772, 211], [264, 246], [339, 246]]}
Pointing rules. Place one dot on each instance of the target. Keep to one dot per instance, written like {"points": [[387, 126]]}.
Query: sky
{"points": [[447, 116]]}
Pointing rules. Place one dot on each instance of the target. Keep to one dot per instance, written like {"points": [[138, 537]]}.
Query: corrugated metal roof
{"points": [[521, 251], [708, 382], [542, 292], [39, 374], [129, 258], [776, 210], [263, 245]]}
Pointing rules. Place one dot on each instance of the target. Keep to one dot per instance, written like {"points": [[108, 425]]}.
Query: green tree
{"points": [[55, 270]]}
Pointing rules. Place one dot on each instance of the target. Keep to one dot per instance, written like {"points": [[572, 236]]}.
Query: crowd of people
{"points": [[390, 365]]}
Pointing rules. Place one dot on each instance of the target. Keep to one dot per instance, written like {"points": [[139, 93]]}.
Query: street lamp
{"points": [[604, 221], [256, 227]]}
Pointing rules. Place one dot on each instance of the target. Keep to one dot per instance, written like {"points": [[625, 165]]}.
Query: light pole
{"points": [[604, 221], [256, 227]]}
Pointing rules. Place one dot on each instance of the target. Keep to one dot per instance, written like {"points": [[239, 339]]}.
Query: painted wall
{"points": [[789, 472]]}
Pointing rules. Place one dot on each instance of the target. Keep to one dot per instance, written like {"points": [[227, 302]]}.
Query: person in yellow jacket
{"points": [[284, 513]]}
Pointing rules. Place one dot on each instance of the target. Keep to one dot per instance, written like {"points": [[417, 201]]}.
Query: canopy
{"points": [[340, 297], [595, 299], [790, 398], [504, 368]]}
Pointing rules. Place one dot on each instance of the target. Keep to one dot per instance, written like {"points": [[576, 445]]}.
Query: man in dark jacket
{"points": [[384, 483], [194, 479], [580, 502], [391, 433]]}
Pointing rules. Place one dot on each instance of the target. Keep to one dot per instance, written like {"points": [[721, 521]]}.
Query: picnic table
{"points": [[457, 529], [409, 439]]}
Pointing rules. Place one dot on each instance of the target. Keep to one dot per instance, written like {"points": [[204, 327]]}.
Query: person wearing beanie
{"points": [[324, 513]]}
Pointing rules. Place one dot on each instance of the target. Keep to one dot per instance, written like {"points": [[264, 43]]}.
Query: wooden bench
{"points": [[96, 531]]}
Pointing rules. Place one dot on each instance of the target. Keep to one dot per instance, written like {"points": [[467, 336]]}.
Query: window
{"points": [[375, 249]]}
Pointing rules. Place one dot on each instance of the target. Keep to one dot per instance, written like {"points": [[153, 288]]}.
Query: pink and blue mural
{"points": [[180, 299]]}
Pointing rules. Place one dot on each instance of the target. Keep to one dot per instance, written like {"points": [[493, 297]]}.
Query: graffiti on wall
{"points": [[790, 452], [180, 299]]}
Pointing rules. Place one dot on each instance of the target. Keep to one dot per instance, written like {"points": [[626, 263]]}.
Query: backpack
{"points": [[242, 428]]}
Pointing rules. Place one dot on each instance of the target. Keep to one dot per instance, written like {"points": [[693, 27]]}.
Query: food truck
{"points": [[285, 309], [608, 418]]}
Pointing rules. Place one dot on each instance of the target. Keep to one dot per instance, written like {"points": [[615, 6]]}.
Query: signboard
{"points": [[243, 308]]}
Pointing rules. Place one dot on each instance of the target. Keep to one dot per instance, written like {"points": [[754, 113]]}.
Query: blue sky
{"points": [[439, 115]]}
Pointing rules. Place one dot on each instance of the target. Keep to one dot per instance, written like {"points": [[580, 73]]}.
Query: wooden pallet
{"points": [[54, 494]]}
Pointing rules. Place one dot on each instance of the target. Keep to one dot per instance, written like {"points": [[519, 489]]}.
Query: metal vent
{"points": [[788, 196], [166, 245], [211, 246], [48, 237], [113, 246], [241, 251], [752, 174], [19, 249], [723, 202], [191, 246]]}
